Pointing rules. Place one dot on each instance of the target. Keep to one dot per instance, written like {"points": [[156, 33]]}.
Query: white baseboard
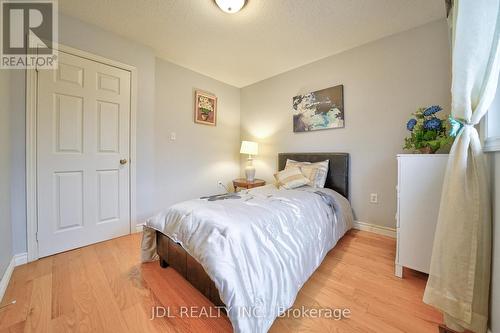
{"points": [[377, 229], [20, 259], [17, 260], [138, 227], [6, 278]]}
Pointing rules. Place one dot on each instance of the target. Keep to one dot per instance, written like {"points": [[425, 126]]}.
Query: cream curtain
{"points": [[459, 277]]}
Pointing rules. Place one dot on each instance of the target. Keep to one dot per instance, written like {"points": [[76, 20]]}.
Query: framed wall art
{"points": [[319, 110], [205, 110]]}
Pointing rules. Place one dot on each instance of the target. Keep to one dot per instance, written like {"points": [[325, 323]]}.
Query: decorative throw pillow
{"points": [[317, 178], [310, 172], [291, 178]]}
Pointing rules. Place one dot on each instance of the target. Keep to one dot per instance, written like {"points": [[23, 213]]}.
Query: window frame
{"points": [[490, 141]]}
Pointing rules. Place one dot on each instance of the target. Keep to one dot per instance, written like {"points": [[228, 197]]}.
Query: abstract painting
{"points": [[205, 111], [319, 110]]}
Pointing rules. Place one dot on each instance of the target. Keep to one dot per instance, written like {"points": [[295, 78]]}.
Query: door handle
{"points": [[123, 161]]}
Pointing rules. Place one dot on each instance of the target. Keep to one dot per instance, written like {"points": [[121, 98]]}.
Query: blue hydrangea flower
{"points": [[433, 124], [411, 124], [432, 110]]}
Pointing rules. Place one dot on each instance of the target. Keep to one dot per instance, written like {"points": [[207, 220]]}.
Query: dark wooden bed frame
{"points": [[173, 255]]}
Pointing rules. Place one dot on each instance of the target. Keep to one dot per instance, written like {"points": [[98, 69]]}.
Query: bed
{"points": [[251, 252]]}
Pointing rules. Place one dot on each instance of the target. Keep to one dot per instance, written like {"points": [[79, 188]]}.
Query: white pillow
{"points": [[317, 175], [291, 178]]}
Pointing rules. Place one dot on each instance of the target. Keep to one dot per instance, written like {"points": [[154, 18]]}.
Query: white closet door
{"points": [[83, 135]]}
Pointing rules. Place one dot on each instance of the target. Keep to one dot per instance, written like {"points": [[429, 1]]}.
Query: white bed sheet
{"points": [[260, 248]]}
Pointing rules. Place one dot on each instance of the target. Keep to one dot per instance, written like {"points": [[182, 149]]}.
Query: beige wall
{"points": [[5, 167], [495, 277], [384, 82], [201, 155]]}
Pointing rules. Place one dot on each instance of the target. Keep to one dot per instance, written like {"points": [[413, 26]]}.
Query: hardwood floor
{"points": [[104, 288]]}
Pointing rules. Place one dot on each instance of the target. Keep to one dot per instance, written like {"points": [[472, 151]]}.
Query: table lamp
{"points": [[250, 148]]}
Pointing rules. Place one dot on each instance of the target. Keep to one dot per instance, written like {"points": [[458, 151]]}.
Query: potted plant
{"points": [[428, 132]]}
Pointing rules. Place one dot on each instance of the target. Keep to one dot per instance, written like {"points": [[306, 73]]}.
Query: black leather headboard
{"points": [[338, 169]]}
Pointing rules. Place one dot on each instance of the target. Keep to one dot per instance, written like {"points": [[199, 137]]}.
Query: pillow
{"points": [[318, 177], [310, 172], [291, 178]]}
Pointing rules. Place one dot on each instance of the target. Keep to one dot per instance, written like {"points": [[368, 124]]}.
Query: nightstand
{"points": [[243, 183]]}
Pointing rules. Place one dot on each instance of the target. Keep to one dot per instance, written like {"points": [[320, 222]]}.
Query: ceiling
{"points": [[266, 38]]}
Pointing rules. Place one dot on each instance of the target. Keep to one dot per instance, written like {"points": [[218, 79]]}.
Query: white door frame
{"points": [[31, 144]]}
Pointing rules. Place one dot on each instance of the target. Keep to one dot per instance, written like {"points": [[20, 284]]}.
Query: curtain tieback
{"points": [[457, 124]]}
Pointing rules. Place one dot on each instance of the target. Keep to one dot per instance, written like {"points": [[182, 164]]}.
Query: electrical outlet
{"points": [[221, 185], [173, 136], [373, 198]]}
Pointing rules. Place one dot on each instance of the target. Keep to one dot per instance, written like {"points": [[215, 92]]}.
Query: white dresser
{"points": [[420, 180]]}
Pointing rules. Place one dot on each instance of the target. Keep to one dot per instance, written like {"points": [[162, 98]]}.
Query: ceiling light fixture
{"points": [[230, 6]]}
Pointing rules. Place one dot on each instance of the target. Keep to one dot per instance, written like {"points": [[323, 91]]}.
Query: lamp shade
{"points": [[249, 147]]}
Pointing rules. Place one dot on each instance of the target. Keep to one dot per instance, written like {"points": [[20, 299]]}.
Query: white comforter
{"points": [[258, 249]]}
